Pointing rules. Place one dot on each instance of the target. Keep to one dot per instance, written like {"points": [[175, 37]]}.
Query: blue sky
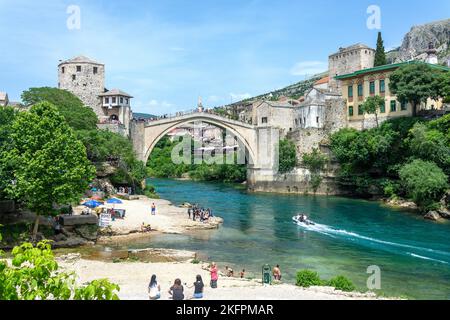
{"points": [[167, 53]]}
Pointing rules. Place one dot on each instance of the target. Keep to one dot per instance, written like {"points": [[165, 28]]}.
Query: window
{"points": [[360, 110], [63, 69], [114, 100], [350, 111], [121, 100], [360, 90], [106, 100], [404, 106], [78, 68], [382, 86], [350, 91], [126, 100], [393, 106], [95, 70], [264, 120], [372, 87], [317, 120], [383, 108], [74, 77]]}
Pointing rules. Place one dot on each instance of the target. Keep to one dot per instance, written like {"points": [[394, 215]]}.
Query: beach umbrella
{"points": [[92, 204], [114, 201]]}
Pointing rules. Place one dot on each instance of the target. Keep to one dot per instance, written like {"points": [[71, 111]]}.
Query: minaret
{"points": [[200, 104], [431, 54]]}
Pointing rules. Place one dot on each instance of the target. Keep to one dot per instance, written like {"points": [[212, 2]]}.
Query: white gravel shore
{"points": [[133, 278]]}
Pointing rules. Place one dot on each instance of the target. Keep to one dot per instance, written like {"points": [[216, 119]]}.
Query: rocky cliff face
{"points": [[417, 40]]}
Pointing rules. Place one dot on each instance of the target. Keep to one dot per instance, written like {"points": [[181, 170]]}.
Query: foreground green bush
{"points": [[34, 275], [342, 283], [308, 278]]}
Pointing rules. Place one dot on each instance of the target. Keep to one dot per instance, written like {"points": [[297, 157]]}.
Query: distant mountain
{"points": [[416, 42], [137, 115]]}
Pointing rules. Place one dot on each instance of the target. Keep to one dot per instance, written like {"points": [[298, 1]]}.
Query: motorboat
{"points": [[303, 219]]}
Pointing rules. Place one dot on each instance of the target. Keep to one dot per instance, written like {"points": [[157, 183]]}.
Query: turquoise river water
{"points": [[349, 235]]}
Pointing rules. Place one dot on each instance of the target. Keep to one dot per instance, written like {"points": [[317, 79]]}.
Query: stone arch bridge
{"points": [[261, 143]]}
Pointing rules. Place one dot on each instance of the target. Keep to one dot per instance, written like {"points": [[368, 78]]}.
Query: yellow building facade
{"points": [[358, 86]]}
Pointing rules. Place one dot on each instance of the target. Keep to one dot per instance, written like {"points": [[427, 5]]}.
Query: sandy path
{"points": [[133, 278]]}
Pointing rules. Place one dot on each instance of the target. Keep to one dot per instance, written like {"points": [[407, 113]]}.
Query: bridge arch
{"points": [[245, 133]]}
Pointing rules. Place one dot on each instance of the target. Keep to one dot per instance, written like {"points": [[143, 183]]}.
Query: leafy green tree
{"points": [[380, 54], [424, 181], [78, 116], [34, 275], [430, 144], [287, 156], [415, 83], [7, 116], [49, 164], [372, 105], [442, 86]]}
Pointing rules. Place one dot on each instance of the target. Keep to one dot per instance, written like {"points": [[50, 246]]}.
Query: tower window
{"points": [[74, 77], [121, 100], [63, 69], [264, 120], [114, 100], [95, 70], [78, 68], [317, 119], [106, 100]]}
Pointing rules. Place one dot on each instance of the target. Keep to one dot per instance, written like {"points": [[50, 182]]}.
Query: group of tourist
{"points": [[176, 291], [199, 214], [125, 190]]}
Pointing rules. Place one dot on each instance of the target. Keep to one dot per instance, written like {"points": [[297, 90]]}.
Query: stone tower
{"points": [[85, 78], [348, 60], [432, 57]]}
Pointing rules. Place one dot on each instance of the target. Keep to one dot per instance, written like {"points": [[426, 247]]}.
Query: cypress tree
{"points": [[380, 55]]}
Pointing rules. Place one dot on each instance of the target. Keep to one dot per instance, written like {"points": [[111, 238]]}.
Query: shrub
{"points": [[424, 181], [341, 283], [287, 156], [308, 278]]}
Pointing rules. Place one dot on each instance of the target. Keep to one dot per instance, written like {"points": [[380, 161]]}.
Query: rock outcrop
{"points": [[416, 42]]}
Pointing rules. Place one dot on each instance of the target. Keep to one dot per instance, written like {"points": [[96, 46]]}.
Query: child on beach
{"points": [[153, 209]]}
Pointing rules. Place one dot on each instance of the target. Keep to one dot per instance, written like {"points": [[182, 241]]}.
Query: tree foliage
{"points": [[287, 156], [34, 275], [160, 165], [315, 162], [48, 164], [78, 116], [7, 117], [372, 105], [415, 83], [424, 181], [380, 54]]}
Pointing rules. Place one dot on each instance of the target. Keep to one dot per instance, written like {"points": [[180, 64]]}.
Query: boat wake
{"points": [[335, 233]]}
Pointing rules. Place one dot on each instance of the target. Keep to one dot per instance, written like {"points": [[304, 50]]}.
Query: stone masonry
{"points": [[85, 78]]}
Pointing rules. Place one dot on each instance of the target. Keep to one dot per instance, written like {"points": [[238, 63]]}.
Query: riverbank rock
{"points": [[432, 215], [88, 232], [186, 205], [402, 203], [444, 212]]}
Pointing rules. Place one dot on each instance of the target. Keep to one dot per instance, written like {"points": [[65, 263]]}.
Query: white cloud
{"points": [[240, 96], [308, 68]]}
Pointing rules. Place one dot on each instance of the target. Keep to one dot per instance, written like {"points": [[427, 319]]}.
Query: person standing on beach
{"points": [[153, 209], [277, 273], [214, 275], [242, 274]]}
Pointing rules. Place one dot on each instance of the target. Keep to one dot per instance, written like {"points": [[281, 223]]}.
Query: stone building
{"points": [[358, 86], [4, 101], [348, 60], [274, 114], [85, 78], [116, 107]]}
